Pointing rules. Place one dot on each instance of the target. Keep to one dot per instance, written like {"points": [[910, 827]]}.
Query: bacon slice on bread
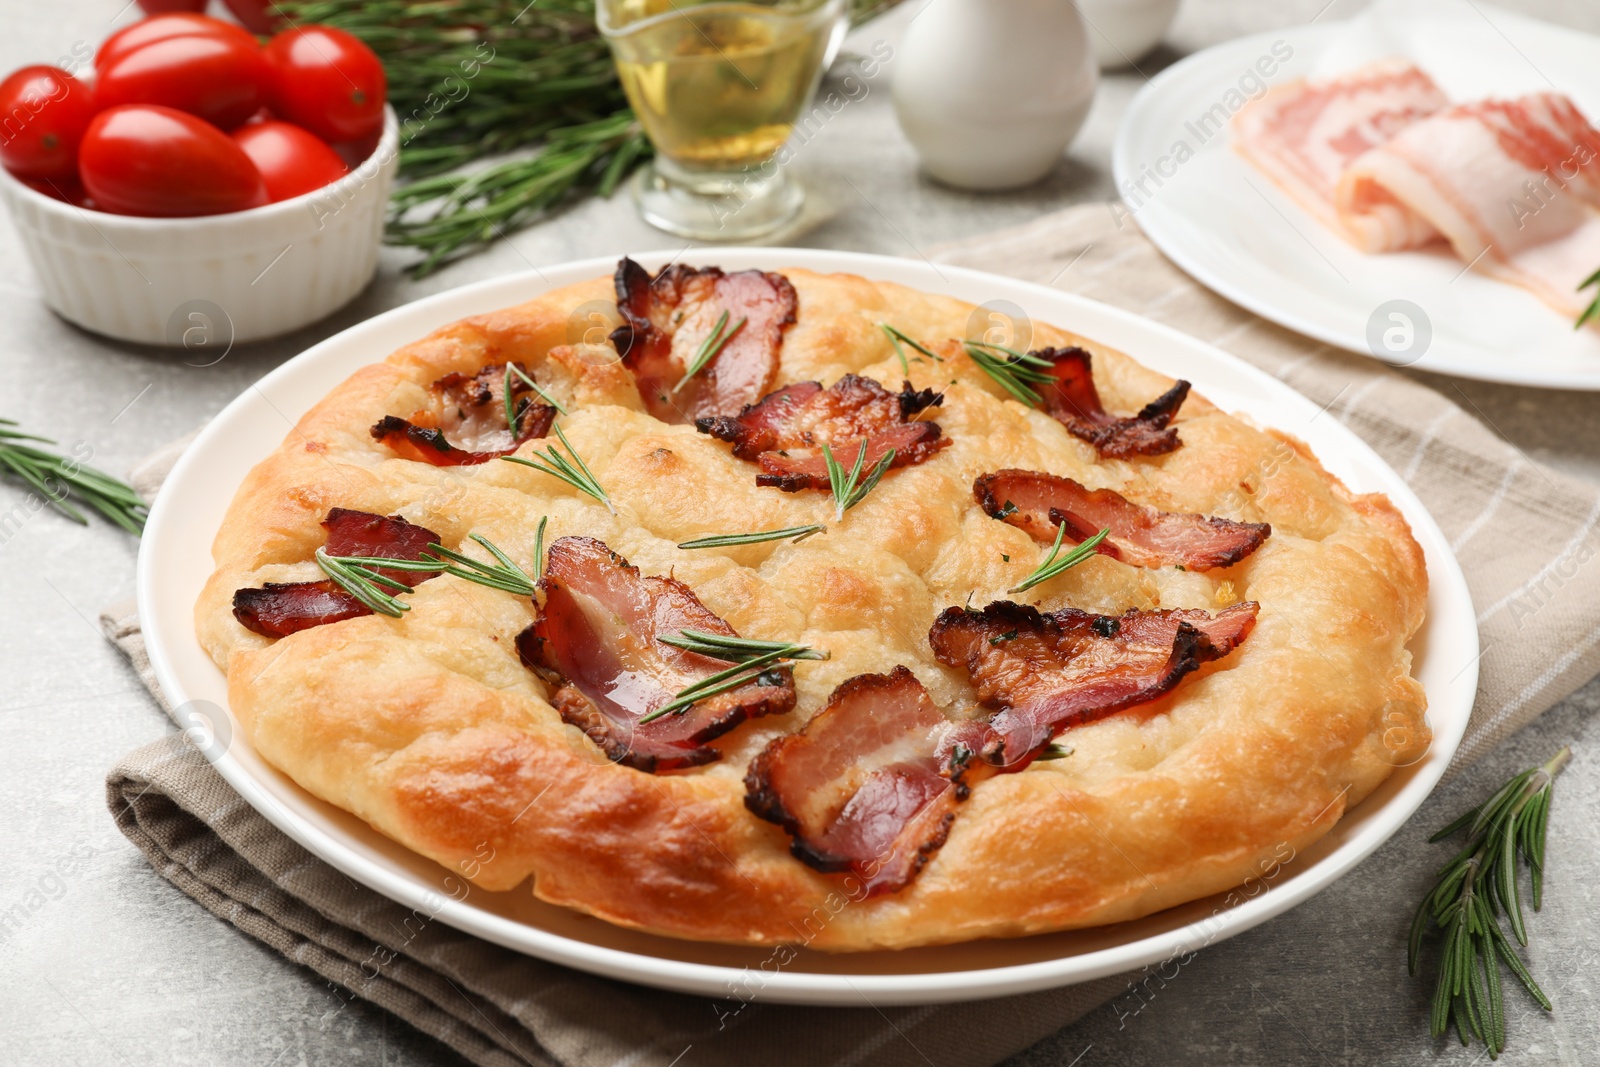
{"points": [[1072, 400], [467, 423]]}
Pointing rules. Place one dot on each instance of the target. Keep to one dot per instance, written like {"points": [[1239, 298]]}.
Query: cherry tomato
{"points": [[45, 111], [162, 7], [292, 161], [259, 16], [161, 27], [327, 81], [67, 190], [141, 159], [354, 153], [218, 78]]}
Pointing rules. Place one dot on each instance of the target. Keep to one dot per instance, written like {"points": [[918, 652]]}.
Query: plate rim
{"points": [[1191, 262], [1444, 574]]}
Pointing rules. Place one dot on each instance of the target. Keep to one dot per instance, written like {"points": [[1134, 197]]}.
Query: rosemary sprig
{"points": [[504, 574], [40, 467], [799, 533], [538, 547], [1053, 566], [514, 416], [741, 673], [1593, 310], [736, 649], [899, 339], [575, 472], [364, 583], [1472, 891], [850, 489], [1015, 372], [709, 348]]}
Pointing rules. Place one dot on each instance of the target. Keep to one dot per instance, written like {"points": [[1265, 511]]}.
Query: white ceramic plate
{"points": [[1234, 231], [175, 560]]}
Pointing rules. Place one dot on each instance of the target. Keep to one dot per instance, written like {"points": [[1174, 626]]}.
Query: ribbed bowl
{"points": [[213, 281]]}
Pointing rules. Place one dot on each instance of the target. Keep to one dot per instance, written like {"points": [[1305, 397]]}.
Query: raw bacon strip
{"points": [[871, 784], [666, 319], [1303, 135], [278, 609], [1514, 186], [1074, 402], [784, 433], [1144, 537], [595, 641], [1047, 671], [468, 424]]}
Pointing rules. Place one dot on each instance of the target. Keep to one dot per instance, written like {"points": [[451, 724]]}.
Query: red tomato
{"points": [[354, 153], [327, 81], [218, 78], [162, 7], [140, 159], [258, 15], [161, 27], [67, 190], [43, 113], [292, 161]]}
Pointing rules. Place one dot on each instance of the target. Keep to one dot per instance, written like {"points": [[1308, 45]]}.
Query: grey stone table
{"points": [[103, 962]]}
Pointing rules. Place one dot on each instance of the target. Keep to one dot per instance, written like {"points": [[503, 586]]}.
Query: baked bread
{"points": [[1213, 685]]}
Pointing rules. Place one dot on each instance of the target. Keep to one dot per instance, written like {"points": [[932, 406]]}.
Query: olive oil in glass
{"points": [[718, 88]]}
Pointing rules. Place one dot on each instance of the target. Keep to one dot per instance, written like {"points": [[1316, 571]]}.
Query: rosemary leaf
{"points": [[1053, 566], [723, 681], [1593, 310], [1015, 372], [851, 489], [709, 348], [363, 583], [538, 548], [899, 339], [503, 575], [736, 649], [799, 533], [574, 471], [56, 478], [514, 418]]}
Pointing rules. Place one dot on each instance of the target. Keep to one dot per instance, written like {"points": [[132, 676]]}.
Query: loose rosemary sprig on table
{"points": [[709, 348], [751, 659], [900, 339], [1479, 884], [799, 533], [575, 472], [1015, 372], [41, 467], [851, 489], [1053, 565]]}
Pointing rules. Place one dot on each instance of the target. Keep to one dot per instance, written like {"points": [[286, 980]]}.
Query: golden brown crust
{"points": [[429, 727]]}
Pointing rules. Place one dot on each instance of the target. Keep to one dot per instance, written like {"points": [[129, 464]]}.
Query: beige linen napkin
{"points": [[1524, 535]]}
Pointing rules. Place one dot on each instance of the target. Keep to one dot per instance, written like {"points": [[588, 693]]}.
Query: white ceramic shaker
{"points": [[991, 92]]}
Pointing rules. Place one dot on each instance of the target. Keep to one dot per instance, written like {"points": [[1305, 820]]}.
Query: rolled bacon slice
{"points": [[1304, 135], [666, 318], [595, 641], [1046, 671], [1073, 401], [1042, 503], [1513, 185], [871, 784], [785, 432], [468, 422], [279, 609]]}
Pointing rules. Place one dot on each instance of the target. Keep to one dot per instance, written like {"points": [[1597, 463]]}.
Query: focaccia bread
{"points": [[1213, 686]]}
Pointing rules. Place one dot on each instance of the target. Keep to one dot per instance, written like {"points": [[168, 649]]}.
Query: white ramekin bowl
{"points": [[215, 280]]}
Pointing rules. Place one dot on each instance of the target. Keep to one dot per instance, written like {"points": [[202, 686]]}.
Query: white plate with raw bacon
{"points": [[413, 745], [1420, 183]]}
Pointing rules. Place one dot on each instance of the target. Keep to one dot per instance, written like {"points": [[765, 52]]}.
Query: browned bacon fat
{"points": [[595, 641], [467, 424], [872, 782], [278, 609], [1144, 537], [785, 432], [1046, 671], [666, 318], [1074, 401]]}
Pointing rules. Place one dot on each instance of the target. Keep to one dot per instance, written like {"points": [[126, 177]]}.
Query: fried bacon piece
{"points": [[468, 422], [278, 609], [1074, 401], [1144, 537], [595, 641], [1046, 671], [871, 784], [785, 432], [666, 318]]}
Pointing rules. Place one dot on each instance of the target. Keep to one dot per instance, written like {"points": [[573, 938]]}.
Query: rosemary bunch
{"points": [[1479, 885], [57, 477]]}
